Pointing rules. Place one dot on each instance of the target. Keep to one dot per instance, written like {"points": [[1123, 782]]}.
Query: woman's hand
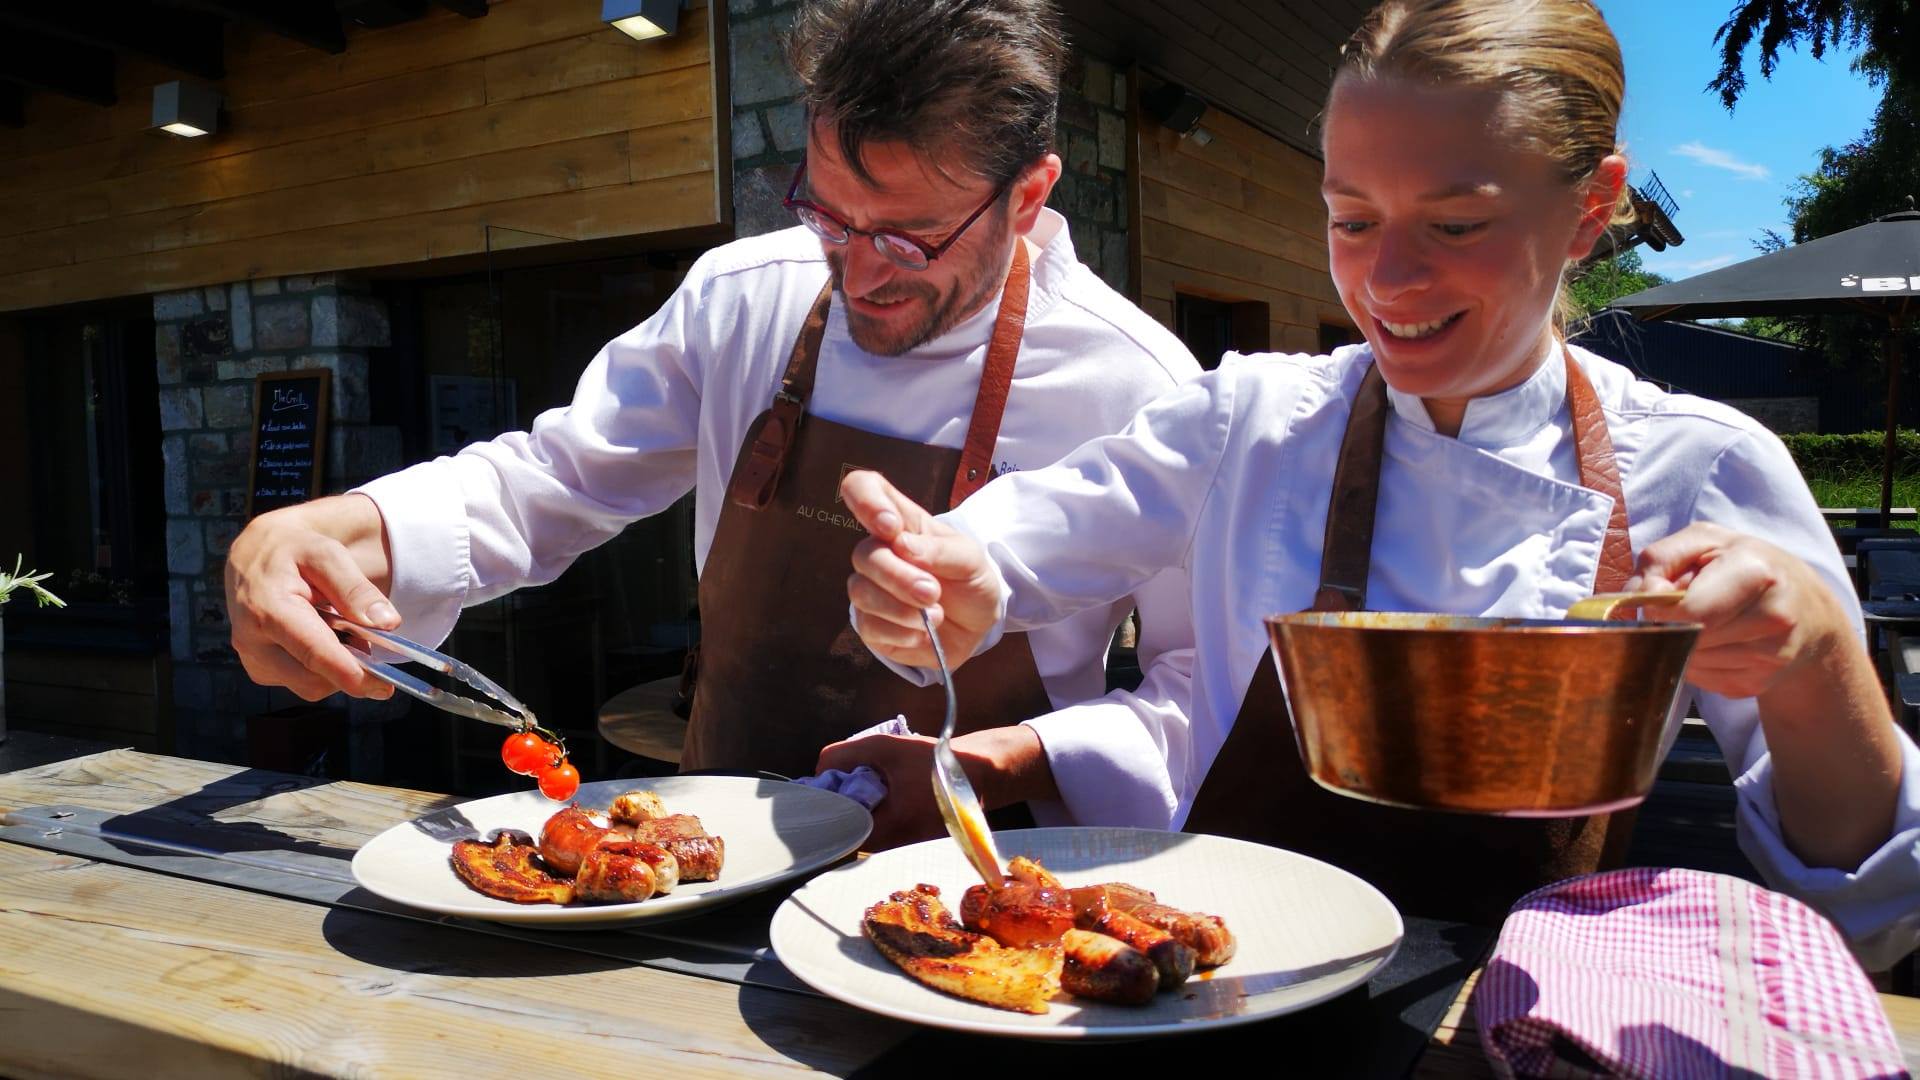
{"points": [[1766, 612], [1775, 632], [910, 562]]}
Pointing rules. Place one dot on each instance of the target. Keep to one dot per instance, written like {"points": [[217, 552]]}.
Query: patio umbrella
{"points": [[1873, 269]]}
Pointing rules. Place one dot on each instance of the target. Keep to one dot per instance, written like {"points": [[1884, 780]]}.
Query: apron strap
{"points": [[759, 475], [1346, 552], [990, 404], [1599, 472]]}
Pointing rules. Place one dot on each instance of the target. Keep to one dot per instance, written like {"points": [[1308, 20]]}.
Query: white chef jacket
{"points": [[665, 406], [1229, 477]]}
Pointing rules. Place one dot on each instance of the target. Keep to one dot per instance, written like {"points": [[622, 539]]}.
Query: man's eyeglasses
{"points": [[907, 251]]}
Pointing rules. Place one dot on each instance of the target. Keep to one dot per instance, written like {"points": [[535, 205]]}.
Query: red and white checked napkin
{"points": [[1675, 974]]}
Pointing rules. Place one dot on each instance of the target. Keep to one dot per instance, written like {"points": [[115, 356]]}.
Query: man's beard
{"points": [[938, 313]]}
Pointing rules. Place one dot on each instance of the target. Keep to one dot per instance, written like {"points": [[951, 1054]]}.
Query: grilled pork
{"points": [[700, 856], [506, 869], [915, 930]]}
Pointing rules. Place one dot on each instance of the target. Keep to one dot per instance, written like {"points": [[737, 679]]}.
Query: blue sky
{"points": [[1728, 172]]}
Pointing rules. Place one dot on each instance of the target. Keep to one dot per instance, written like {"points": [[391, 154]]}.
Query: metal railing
{"points": [[1655, 192]]}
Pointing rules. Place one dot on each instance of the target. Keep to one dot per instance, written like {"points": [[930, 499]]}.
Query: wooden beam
{"points": [[313, 23], [472, 9], [187, 41], [48, 63], [13, 105]]}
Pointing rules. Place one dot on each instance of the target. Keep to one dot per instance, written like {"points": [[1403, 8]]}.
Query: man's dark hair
{"points": [[979, 79]]}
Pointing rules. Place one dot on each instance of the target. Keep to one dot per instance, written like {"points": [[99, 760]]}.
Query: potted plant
{"points": [[27, 582]]}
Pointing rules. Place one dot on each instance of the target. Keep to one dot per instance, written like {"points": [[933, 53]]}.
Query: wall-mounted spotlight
{"points": [[188, 109], [1178, 109], [642, 19]]}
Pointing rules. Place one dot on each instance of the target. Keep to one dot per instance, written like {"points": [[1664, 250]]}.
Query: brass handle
{"points": [[1601, 606]]}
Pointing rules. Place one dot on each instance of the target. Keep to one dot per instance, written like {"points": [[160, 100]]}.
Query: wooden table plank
{"points": [[111, 971], [107, 971]]}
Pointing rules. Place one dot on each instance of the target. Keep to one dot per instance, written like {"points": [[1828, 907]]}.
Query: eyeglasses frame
{"points": [[794, 203]]}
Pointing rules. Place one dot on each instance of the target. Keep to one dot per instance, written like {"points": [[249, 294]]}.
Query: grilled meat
{"points": [[1018, 915], [1207, 935], [506, 869], [700, 856], [915, 930], [569, 834], [636, 806], [625, 872], [1105, 969], [1173, 959]]}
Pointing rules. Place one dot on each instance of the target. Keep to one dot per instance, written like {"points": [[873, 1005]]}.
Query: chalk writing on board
{"points": [[289, 437]]}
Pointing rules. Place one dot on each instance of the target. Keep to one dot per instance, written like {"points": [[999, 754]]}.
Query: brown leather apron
{"points": [[1430, 863], [781, 673]]}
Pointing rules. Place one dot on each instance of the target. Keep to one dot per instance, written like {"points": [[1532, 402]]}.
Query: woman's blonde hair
{"points": [[1555, 62]]}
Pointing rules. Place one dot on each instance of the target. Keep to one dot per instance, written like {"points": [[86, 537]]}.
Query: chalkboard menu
{"points": [[289, 438]]}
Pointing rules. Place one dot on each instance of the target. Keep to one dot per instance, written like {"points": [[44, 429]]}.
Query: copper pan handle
{"points": [[1601, 606]]}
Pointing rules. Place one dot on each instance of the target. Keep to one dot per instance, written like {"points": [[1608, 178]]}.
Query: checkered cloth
{"points": [[1675, 974]]}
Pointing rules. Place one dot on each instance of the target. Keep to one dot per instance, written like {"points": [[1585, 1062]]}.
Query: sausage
{"points": [[1207, 935], [1105, 969], [570, 834], [621, 872], [1171, 958], [1016, 915]]}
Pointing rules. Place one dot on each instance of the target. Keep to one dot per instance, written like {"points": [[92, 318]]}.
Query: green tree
{"points": [[1606, 280], [1886, 33]]}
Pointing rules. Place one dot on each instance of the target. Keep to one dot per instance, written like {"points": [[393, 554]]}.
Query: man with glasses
{"points": [[929, 320]]}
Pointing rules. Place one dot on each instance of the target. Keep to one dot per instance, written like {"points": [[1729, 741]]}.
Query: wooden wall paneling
{"points": [[368, 105], [1181, 247], [1164, 281], [606, 55], [1232, 226], [1286, 57], [1218, 75], [676, 202], [438, 40]]}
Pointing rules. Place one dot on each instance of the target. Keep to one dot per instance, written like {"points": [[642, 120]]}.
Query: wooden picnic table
{"points": [[115, 969]]}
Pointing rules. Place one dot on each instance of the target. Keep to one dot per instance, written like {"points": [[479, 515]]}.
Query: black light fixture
{"points": [[1178, 109], [185, 108], [642, 19]]}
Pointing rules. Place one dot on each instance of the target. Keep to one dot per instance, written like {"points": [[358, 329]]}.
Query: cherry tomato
{"points": [[559, 782], [527, 753]]}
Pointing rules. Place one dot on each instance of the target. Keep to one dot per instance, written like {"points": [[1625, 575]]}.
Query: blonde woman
{"points": [[1471, 157]]}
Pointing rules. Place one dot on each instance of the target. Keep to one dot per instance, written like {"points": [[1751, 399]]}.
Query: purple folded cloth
{"points": [[864, 784]]}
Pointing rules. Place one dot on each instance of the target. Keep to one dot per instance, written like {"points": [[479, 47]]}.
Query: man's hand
{"points": [[281, 566], [910, 562], [1006, 765]]}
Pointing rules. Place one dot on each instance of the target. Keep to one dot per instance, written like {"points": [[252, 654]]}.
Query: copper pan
{"points": [[1518, 717]]}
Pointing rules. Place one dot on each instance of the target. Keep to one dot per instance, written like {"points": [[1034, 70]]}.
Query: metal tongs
{"points": [[438, 661], [959, 806]]}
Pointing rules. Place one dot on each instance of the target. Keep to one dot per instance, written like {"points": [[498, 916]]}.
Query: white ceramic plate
{"points": [[774, 832], [1307, 931]]}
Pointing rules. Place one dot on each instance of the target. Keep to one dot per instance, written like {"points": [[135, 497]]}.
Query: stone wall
{"points": [[770, 131], [209, 344]]}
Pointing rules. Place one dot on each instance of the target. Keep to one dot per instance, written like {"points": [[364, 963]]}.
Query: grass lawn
{"points": [[1857, 490]]}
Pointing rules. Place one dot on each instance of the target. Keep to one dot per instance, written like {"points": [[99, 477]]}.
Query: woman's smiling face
{"points": [[1447, 235]]}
